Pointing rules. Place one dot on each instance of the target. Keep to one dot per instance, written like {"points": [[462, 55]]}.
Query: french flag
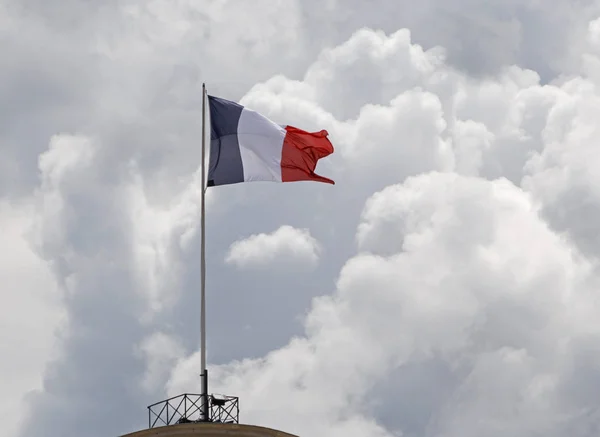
{"points": [[245, 146]]}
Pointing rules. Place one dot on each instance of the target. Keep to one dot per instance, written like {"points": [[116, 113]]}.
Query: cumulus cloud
{"points": [[463, 281], [457, 294], [470, 283], [30, 313], [161, 352], [284, 245]]}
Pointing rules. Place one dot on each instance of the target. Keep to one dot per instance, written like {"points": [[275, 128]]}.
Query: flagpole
{"points": [[204, 414]]}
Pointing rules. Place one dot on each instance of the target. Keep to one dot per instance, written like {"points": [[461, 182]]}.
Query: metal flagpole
{"points": [[204, 375]]}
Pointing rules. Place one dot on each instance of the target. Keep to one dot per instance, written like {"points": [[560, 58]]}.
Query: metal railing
{"points": [[187, 408]]}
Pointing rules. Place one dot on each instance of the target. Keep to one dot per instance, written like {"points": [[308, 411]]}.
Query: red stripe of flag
{"points": [[301, 151]]}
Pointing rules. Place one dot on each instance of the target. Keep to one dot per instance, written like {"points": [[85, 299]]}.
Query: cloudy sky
{"points": [[446, 286]]}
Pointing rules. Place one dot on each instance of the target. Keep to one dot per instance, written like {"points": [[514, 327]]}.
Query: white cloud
{"points": [[459, 282], [429, 117], [286, 245], [465, 301], [161, 352], [30, 314], [563, 175], [164, 234], [476, 282]]}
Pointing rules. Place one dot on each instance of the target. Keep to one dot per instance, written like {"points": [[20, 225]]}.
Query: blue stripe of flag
{"points": [[225, 166]]}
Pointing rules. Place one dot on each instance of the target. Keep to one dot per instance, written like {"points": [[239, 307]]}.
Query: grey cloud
{"points": [[481, 37], [130, 78], [68, 68], [83, 234], [456, 332]]}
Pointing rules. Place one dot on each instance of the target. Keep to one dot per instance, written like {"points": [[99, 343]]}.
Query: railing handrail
{"points": [[221, 409]]}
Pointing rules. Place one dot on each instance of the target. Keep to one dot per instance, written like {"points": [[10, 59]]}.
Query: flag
{"points": [[245, 146]]}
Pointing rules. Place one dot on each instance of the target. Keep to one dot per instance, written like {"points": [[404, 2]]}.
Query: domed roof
{"points": [[209, 430]]}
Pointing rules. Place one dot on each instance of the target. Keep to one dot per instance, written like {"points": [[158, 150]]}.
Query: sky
{"points": [[446, 286]]}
